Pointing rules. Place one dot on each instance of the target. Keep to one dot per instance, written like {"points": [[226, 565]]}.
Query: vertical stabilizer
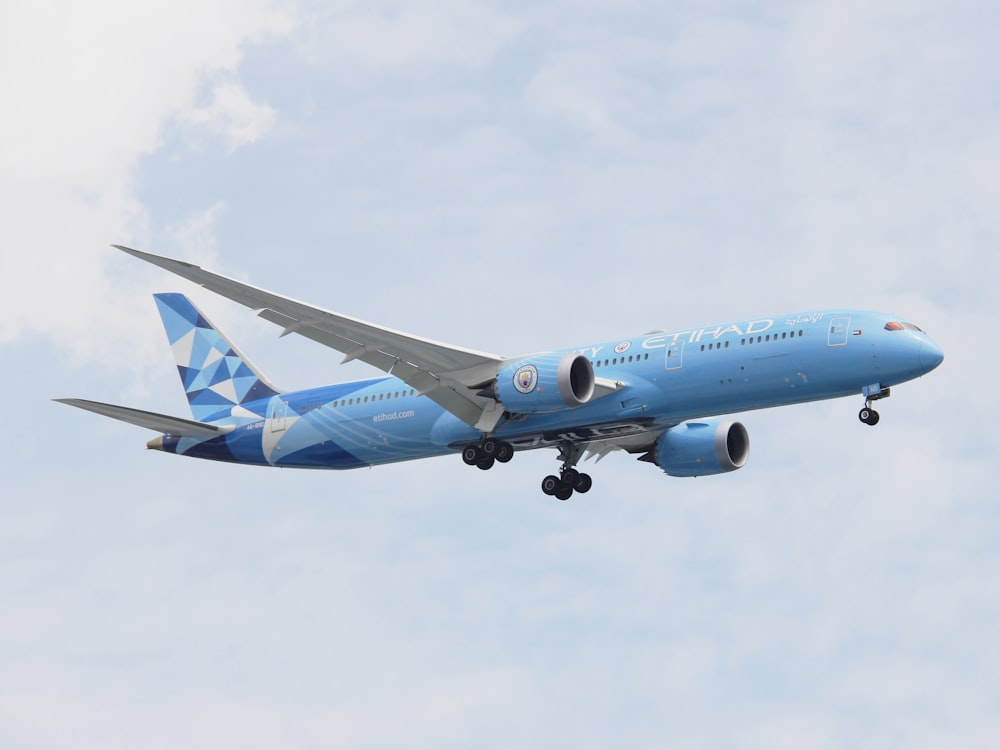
{"points": [[215, 374]]}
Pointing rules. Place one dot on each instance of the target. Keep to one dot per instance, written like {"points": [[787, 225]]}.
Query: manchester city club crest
{"points": [[623, 347], [526, 378]]}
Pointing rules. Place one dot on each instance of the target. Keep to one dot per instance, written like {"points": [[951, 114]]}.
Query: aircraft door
{"points": [[279, 411], [675, 355], [838, 331]]}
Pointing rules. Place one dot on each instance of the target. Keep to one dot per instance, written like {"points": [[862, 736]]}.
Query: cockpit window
{"points": [[896, 326]]}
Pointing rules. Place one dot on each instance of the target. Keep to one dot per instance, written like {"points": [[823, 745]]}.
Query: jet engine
{"points": [[703, 447], [545, 382]]}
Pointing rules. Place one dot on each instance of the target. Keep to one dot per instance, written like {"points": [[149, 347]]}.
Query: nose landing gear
{"points": [[871, 393]]}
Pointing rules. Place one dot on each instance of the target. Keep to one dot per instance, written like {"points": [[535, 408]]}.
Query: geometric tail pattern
{"points": [[216, 376]]}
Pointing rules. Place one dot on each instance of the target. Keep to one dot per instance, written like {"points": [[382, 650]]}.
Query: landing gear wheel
{"points": [[570, 479], [869, 416], [470, 454], [485, 462], [505, 452], [550, 484], [489, 446]]}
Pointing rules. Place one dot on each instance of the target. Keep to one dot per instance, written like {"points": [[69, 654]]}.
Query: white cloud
{"points": [[94, 88], [232, 115], [196, 234]]}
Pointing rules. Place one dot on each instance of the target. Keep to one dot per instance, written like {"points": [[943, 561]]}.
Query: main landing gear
{"points": [[487, 453], [491, 450], [871, 393], [569, 480]]}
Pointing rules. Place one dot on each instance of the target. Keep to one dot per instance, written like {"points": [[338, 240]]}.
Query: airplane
{"points": [[664, 396]]}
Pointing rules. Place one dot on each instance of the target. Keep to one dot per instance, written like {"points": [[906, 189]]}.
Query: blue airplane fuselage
{"points": [[661, 380]]}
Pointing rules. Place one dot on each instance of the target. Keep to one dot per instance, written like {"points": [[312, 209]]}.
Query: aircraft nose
{"points": [[930, 355]]}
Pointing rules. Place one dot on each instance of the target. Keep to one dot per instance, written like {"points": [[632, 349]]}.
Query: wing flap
{"points": [[162, 423]]}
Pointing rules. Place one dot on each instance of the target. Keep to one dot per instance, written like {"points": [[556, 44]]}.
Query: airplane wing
{"points": [[449, 375], [159, 422]]}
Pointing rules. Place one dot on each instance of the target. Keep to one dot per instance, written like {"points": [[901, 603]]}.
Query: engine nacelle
{"points": [[546, 382], [703, 447]]}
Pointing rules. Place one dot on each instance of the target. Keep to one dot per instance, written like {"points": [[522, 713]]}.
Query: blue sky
{"points": [[511, 178]]}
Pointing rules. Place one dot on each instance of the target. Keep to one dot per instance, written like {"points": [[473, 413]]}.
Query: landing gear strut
{"points": [[569, 480], [871, 393], [487, 453]]}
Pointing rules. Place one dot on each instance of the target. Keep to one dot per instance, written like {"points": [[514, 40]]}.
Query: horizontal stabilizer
{"points": [[159, 422]]}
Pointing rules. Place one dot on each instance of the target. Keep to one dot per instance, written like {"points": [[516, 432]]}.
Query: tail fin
{"points": [[215, 374]]}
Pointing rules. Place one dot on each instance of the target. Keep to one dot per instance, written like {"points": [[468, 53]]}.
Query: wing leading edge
{"points": [[449, 375]]}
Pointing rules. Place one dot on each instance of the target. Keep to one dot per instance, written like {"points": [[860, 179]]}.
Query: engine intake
{"points": [[708, 446], [546, 382]]}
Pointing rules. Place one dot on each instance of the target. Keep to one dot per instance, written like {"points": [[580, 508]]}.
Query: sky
{"points": [[508, 177]]}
